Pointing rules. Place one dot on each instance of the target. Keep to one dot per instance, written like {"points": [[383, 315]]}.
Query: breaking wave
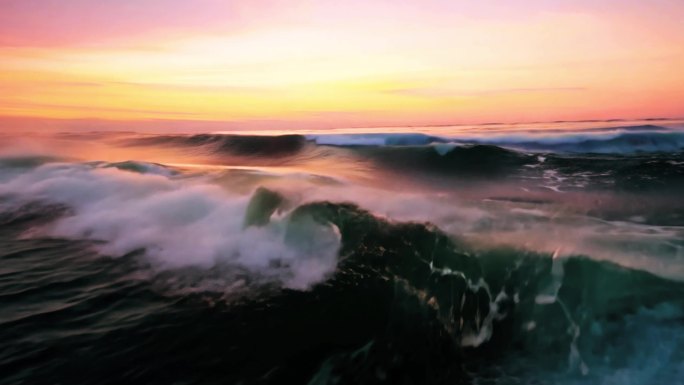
{"points": [[146, 210]]}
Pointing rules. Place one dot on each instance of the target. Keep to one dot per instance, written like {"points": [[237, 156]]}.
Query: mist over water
{"points": [[500, 255]]}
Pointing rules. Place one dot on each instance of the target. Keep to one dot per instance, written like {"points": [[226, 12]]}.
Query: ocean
{"points": [[546, 253]]}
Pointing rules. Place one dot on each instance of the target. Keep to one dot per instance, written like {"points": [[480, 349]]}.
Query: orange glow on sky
{"points": [[291, 64]]}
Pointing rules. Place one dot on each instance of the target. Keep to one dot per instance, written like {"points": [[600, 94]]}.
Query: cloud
{"points": [[437, 92]]}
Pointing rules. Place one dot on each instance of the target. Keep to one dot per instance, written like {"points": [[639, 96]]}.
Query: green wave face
{"points": [[434, 305]]}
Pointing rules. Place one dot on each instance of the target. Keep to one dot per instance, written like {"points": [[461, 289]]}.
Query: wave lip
{"points": [[377, 139]]}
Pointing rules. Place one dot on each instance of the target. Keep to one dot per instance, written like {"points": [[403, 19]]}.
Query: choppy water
{"points": [[490, 256]]}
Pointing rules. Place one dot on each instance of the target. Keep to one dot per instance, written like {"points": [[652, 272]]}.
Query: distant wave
{"points": [[614, 140], [479, 161], [241, 145], [618, 140], [623, 143], [375, 139], [624, 159]]}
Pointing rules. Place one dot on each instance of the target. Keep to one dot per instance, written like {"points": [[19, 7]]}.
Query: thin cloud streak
{"points": [[451, 93]]}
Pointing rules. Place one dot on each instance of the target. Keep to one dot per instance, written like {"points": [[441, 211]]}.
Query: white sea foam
{"points": [[178, 222]]}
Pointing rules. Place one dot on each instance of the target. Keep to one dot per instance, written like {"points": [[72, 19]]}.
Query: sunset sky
{"points": [[317, 63]]}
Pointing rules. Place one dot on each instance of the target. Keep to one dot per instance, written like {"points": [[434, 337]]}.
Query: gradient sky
{"points": [[317, 63]]}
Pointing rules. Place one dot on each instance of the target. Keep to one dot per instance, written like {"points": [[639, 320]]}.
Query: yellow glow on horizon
{"points": [[556, 67]]}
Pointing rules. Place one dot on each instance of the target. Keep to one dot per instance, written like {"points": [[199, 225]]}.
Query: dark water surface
{"points": [[509, 258]]}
